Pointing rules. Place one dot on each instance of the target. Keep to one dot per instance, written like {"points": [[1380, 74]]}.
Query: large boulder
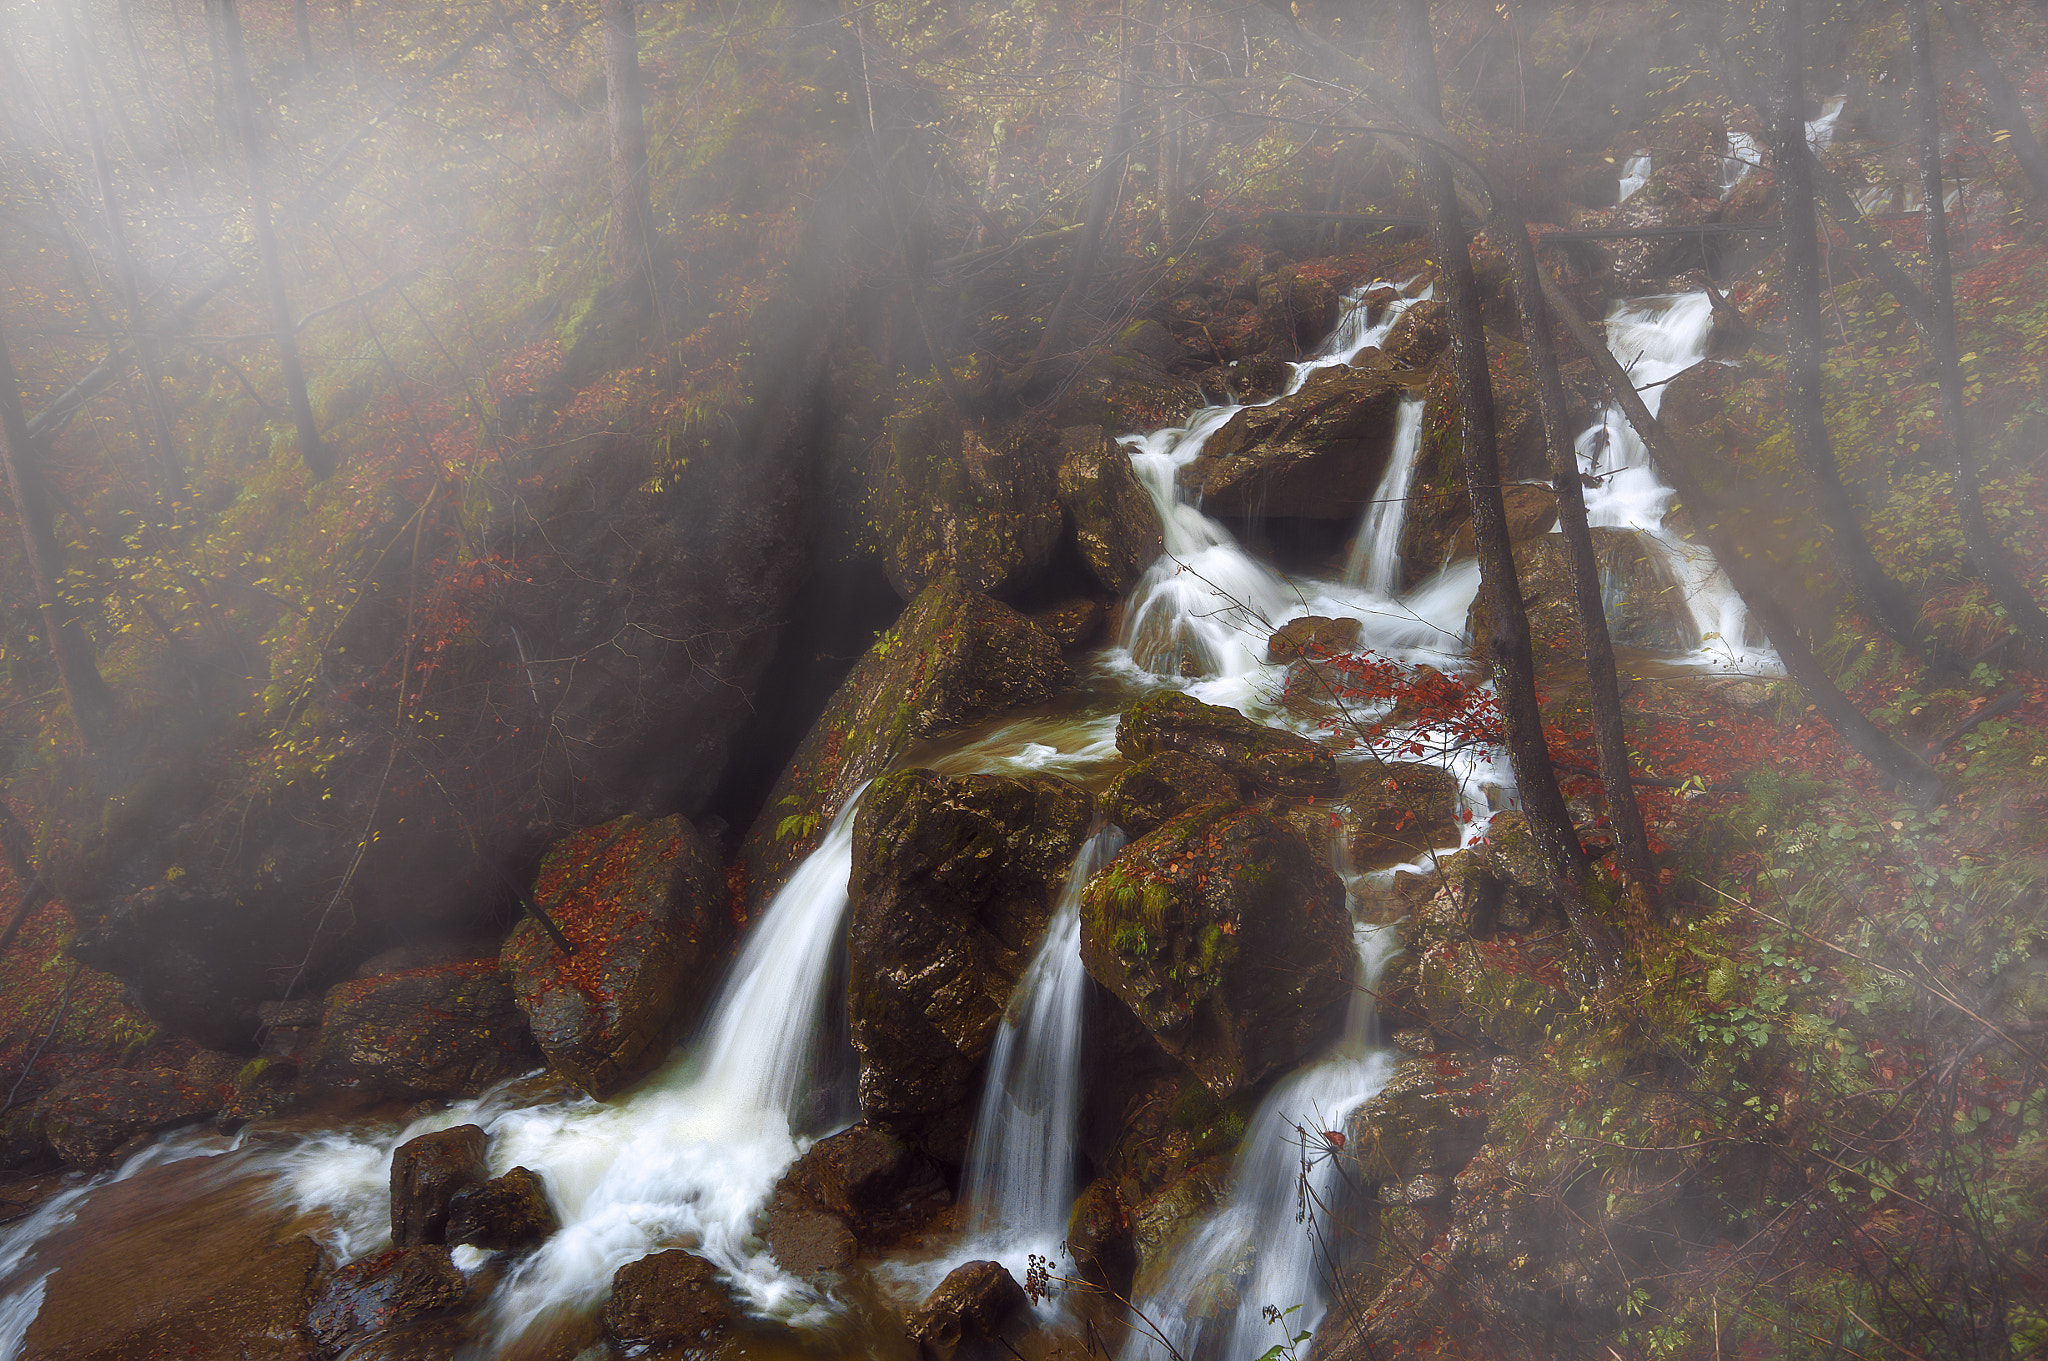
{"points": [[671, 1299], [450, 1031], [383, 1290], [1317, 454], [954, 658], [504, 1214], [1419, 334], [1268, 759], [953, 500], [1227, 937], [1646, 606], [86, 1119], [972, 1304], [644, 903], [953, 881], [1148, 792], [1683, 193], [1395, 811], [862, 1188], [426, 1172], [1115, 524]]}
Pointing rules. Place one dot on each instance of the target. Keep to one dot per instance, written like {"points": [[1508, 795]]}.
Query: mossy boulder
{"points": [[448, 1031], [1268, 759], [954, 500], [1128, 384], [644, 904], [1227, 937], [1317, 454], [86, 1119], [1395, 811], [1430, 1117], [1151, 791], [1115, 524], [1419, 334], [1646, 606], [953, 882], [955, 657]]}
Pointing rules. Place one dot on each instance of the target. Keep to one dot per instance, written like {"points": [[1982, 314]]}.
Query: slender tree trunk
{"points": [[630, 240], [93, 710], [2009, 119], [318, 457], [1879, 596], [305, 23], [1982, 545], [1514, 666]]}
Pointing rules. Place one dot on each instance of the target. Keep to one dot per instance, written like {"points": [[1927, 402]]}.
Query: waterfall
{"points": [[1635, 173], [1821, 131], [687, 1160], [1744, 155], [1375, 560], [1019, 1180], [1264, 1246]]}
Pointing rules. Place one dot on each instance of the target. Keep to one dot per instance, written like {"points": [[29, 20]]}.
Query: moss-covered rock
{"points": [[1268, 759], [954, 658], [1419, 334], [1115, 525], [1429, 1118], [1646, 606], [1227, 937], [448, 1031], [953, 881], [1395, 811], [1318, 454], [644, 905], [1313, 635], [1146, 794], [953, 500]]}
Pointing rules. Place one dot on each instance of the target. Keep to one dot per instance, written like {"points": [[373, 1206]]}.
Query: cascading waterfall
{"points": [[1635, 173], [1375, 561], [1019, 1181], [1264, 1246], [1656, 338], [1743, 156]]}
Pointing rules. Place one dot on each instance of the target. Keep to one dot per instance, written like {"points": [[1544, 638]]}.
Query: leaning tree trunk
{"points": [[1514, 665], [93, 710], [1879, 595], [2009, 117], [318, 457], [1982, 545], [630, 241]]}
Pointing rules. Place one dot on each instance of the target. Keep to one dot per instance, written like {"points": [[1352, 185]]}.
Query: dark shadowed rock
{"points": [[863, 1187], [952, 500], [644, 903], [1419, 334], [1271, 761], [382, 1290], [1099, 1238], [86, 1118], [1646, 607], [505, 1214], [1071, 623], [1227, 937], [1150, 791], [1317, 454], [426, 1172], [953, 880], [1115, 525], [973, 1303], [669, 1299], [954, 658], [438, 1032]]}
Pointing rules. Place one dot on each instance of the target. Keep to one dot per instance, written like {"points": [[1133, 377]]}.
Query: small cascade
{"points": [[1375, 560], [1635, 173], [1743, 156], [1264, 1246], [687, 1160], [1820, 132], [1019, 1180], [1657, 338]]}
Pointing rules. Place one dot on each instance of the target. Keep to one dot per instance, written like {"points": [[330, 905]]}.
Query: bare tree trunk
{"points": [[319, 459], [630, 240], [1878, 594], [1982, 545], [305, 23], [93, 709], [2009, 118], [1513, 662]]}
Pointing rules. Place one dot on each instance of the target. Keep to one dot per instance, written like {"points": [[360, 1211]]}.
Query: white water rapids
{"points": [[690, 1156]]}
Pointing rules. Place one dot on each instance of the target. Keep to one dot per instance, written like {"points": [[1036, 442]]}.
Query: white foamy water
{"points": [[1635, 173]]}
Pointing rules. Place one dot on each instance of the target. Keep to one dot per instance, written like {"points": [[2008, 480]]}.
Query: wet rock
{"points": [[1271, 761], [954, 501], [383, 1290], [1072, 623], [289, 1027], [670, 1299], [504, 1214], [1128, 384], [1312, 635], [1149, 792], [1419, 334], [1243, 381], [1295, 312], [1430, 1118], [438, 1032], [23, 1145], [1318, 454], [85, 1119], [426, 1172], [973, 1303], [1099, 1238], [420, 1339], [1396, 811], [1646, 606], [1161, 1220], [644, 903], [1115, 525], [264, 1089], [953, 659], [863, 1188], [1227, 937], [1683, 193], [1532, 511], [953, 881]]}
